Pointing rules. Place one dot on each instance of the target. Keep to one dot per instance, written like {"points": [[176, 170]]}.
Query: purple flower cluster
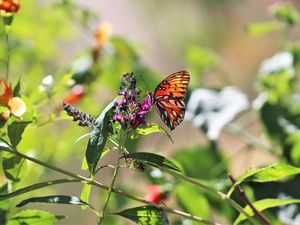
{"points": [[129, 112]]}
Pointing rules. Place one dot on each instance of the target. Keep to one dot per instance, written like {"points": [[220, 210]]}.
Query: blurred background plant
{"points": [[242, 108]]}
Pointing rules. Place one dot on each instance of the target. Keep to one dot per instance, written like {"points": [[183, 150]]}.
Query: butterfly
{"points": [[169, 98]]}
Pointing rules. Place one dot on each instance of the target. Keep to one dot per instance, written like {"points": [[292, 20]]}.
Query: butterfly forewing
{"points": [[169, 98]]}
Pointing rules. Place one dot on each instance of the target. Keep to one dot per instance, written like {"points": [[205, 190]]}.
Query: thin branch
{"points": [[100, 185], [117, 166], [247, 201]]}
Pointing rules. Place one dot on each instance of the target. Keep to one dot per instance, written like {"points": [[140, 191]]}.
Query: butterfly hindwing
{"points": [[169, 98]]}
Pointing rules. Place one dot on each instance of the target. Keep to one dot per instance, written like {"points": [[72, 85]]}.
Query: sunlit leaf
{"points": [[265, 204], [145, 215], [36, 217], [14, 167], [150, 128], [15, 131], [57, 199], [98, 139], [85, 193], [270, 173], [258, 29], [155, 160]]}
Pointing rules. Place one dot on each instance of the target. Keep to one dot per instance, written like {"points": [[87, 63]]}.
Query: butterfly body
{"points": [[169, 98]]}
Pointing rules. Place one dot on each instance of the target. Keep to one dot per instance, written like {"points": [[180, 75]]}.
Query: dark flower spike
{"points": [[85, 120]]}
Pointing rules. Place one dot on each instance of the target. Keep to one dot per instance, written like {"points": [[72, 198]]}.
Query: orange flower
{"points": [[101, 35], [75, 95], [10, 6], [15, 105]]}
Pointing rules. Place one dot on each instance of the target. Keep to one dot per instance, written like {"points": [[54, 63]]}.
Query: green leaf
{"points": [[155, 160], [265, 204], [285, 13], [192, 200], [15, 131], [85, 193], [98, 139], [270, 173], [17, 88], [149, 129], [258, 29], [8, 19], [36, 217], [57, 199], [14, 166], [145, 215]]}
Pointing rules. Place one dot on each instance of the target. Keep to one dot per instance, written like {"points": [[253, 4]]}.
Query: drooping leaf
{"points": [[36, 217], [155, 160], [85, 193], [270, 173], [265, 204], [14, 167], [15, 131], [98, 139], [57, 199], [20, 191], [149, 129], [192, 200], [145, 215], [258, 29]]}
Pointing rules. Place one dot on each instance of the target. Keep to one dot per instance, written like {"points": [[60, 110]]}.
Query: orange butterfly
{"points": [[169, 98]]}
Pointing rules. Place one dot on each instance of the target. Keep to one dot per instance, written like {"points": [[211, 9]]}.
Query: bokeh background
{"points": [[52, 37]]}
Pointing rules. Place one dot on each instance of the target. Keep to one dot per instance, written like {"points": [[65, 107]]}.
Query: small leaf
{"points": [[149, 129], [15, 131], [14, 166], [85, 193], [265, 204], [144, 215], [36, 217], [17, 88], [98, 139], [258, 29], [57, 199], [270, 173], [155, 160]]}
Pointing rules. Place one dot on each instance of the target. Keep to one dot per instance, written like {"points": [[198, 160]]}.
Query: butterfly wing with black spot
{"points": [[169, 98]]}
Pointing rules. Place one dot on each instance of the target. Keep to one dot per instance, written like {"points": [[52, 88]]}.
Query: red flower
{"points": [[76, 94], [155, 194], [15, 105], [10, 6]]}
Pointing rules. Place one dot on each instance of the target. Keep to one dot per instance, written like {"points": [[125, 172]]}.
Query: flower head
{"points": [[10, 6], [129, 112], [75, 95], [157, 193], [15, 105]]}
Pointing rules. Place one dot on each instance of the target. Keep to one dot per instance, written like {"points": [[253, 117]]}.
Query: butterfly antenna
{"points": [[145, 83]]}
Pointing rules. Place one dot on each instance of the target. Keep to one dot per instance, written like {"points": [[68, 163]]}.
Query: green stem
{"points": [[117, 191], [117, 166]]}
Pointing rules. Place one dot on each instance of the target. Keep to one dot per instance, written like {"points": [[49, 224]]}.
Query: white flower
{"points": [[212, 110], [47, 84], [280, 61]]}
